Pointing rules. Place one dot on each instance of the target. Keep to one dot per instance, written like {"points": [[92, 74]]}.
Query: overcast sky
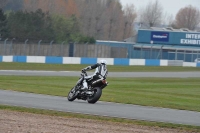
{"points": [[170, 6]]}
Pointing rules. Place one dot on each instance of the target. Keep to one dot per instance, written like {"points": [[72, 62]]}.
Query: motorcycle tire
{"points": [[72, 95], [95, 97]]}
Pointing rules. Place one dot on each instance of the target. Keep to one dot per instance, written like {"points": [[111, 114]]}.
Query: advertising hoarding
{"points": [[169, 37], [159, 36]]}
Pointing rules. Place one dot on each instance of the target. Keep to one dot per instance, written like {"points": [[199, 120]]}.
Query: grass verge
{"points": [[69, 67], [187, 128], [176, 93]]}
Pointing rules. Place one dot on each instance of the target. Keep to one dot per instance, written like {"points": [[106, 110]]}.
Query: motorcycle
{"points": [[92, 94]]}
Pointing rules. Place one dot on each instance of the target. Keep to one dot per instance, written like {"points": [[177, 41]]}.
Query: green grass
{"points": [[181, 128], [170, 93], [177, 93], [68, 67]]}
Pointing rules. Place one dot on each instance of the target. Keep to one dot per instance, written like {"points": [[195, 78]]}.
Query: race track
{"points": [[100, 108]]}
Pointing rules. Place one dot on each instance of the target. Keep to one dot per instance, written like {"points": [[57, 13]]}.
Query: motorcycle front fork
{"points": [[79, 81]]}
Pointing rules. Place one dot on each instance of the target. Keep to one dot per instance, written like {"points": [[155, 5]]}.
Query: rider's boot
{"points": [[85, 86]]}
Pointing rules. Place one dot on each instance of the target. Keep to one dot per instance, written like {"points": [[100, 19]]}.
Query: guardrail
{"points": [[110, 61]]}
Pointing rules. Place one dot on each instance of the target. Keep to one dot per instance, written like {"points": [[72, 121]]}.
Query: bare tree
{"points": [[115, 20], [152, 14], [62, 7], [168, 19], [86, 9], [13, 5], [101, 18], [71, 8], [129, 18], [3, 3], [188, 17]]}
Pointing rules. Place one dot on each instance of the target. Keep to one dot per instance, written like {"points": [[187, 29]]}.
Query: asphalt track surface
{"points": [[100, 108]]}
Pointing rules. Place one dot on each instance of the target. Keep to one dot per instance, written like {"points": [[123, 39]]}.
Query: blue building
{"points": [[161, 43], [168, 43]]}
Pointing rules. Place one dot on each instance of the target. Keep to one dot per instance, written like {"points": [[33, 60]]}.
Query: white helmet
{"points": [[103, 62]]}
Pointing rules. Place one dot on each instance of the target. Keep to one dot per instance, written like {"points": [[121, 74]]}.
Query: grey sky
{"points": [[170, 6]]}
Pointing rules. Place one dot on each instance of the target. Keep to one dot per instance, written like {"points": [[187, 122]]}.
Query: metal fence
{"points": [[27, 48], [103, 50], [184, 54]]}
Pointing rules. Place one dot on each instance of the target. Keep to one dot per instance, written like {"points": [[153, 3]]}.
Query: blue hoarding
{"points": [[160, 36], [169, 37]]}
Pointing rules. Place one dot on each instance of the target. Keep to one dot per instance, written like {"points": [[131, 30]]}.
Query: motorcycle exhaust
{"points": [[98, 82]]}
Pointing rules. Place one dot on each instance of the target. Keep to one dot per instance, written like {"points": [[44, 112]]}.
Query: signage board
{"points": [[159, 36]]}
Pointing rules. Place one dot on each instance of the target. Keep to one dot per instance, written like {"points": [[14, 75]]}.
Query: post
{"points": [[151, 51], [176, 54], [71, 49], [50, 51], [133, 51], [11, 45], [184, 54], [161, 51], [38, 51], [4, 47], [141, 51], [61, 48], [85, 50], [192, 56], [119, 51], [25, 43], [96, 49]]}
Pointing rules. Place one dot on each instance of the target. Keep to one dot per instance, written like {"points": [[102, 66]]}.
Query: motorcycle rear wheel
{"points": [[96, 95], [72, 95]]}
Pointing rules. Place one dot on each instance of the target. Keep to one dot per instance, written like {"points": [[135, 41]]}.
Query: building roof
{"points": [[168, 47], [170, 29]]}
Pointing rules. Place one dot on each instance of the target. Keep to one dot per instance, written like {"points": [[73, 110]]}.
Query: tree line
{"points": [[39, 25], [153, 15], [85, 20], [68, 20]]}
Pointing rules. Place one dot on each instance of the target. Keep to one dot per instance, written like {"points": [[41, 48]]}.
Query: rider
{"points": [[101, 72]]}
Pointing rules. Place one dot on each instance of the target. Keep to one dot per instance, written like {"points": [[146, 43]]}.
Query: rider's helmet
{"points": [[103, 62]]}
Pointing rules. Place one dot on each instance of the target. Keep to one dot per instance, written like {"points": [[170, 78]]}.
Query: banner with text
{"points": [[189, 39], [160, 36]]}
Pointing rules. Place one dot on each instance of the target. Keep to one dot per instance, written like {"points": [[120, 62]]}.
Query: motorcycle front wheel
{"points": [[72, 94], [95, 96]]}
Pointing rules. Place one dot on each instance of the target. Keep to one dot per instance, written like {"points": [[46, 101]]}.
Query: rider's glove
{"points": [[83, 70]]}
